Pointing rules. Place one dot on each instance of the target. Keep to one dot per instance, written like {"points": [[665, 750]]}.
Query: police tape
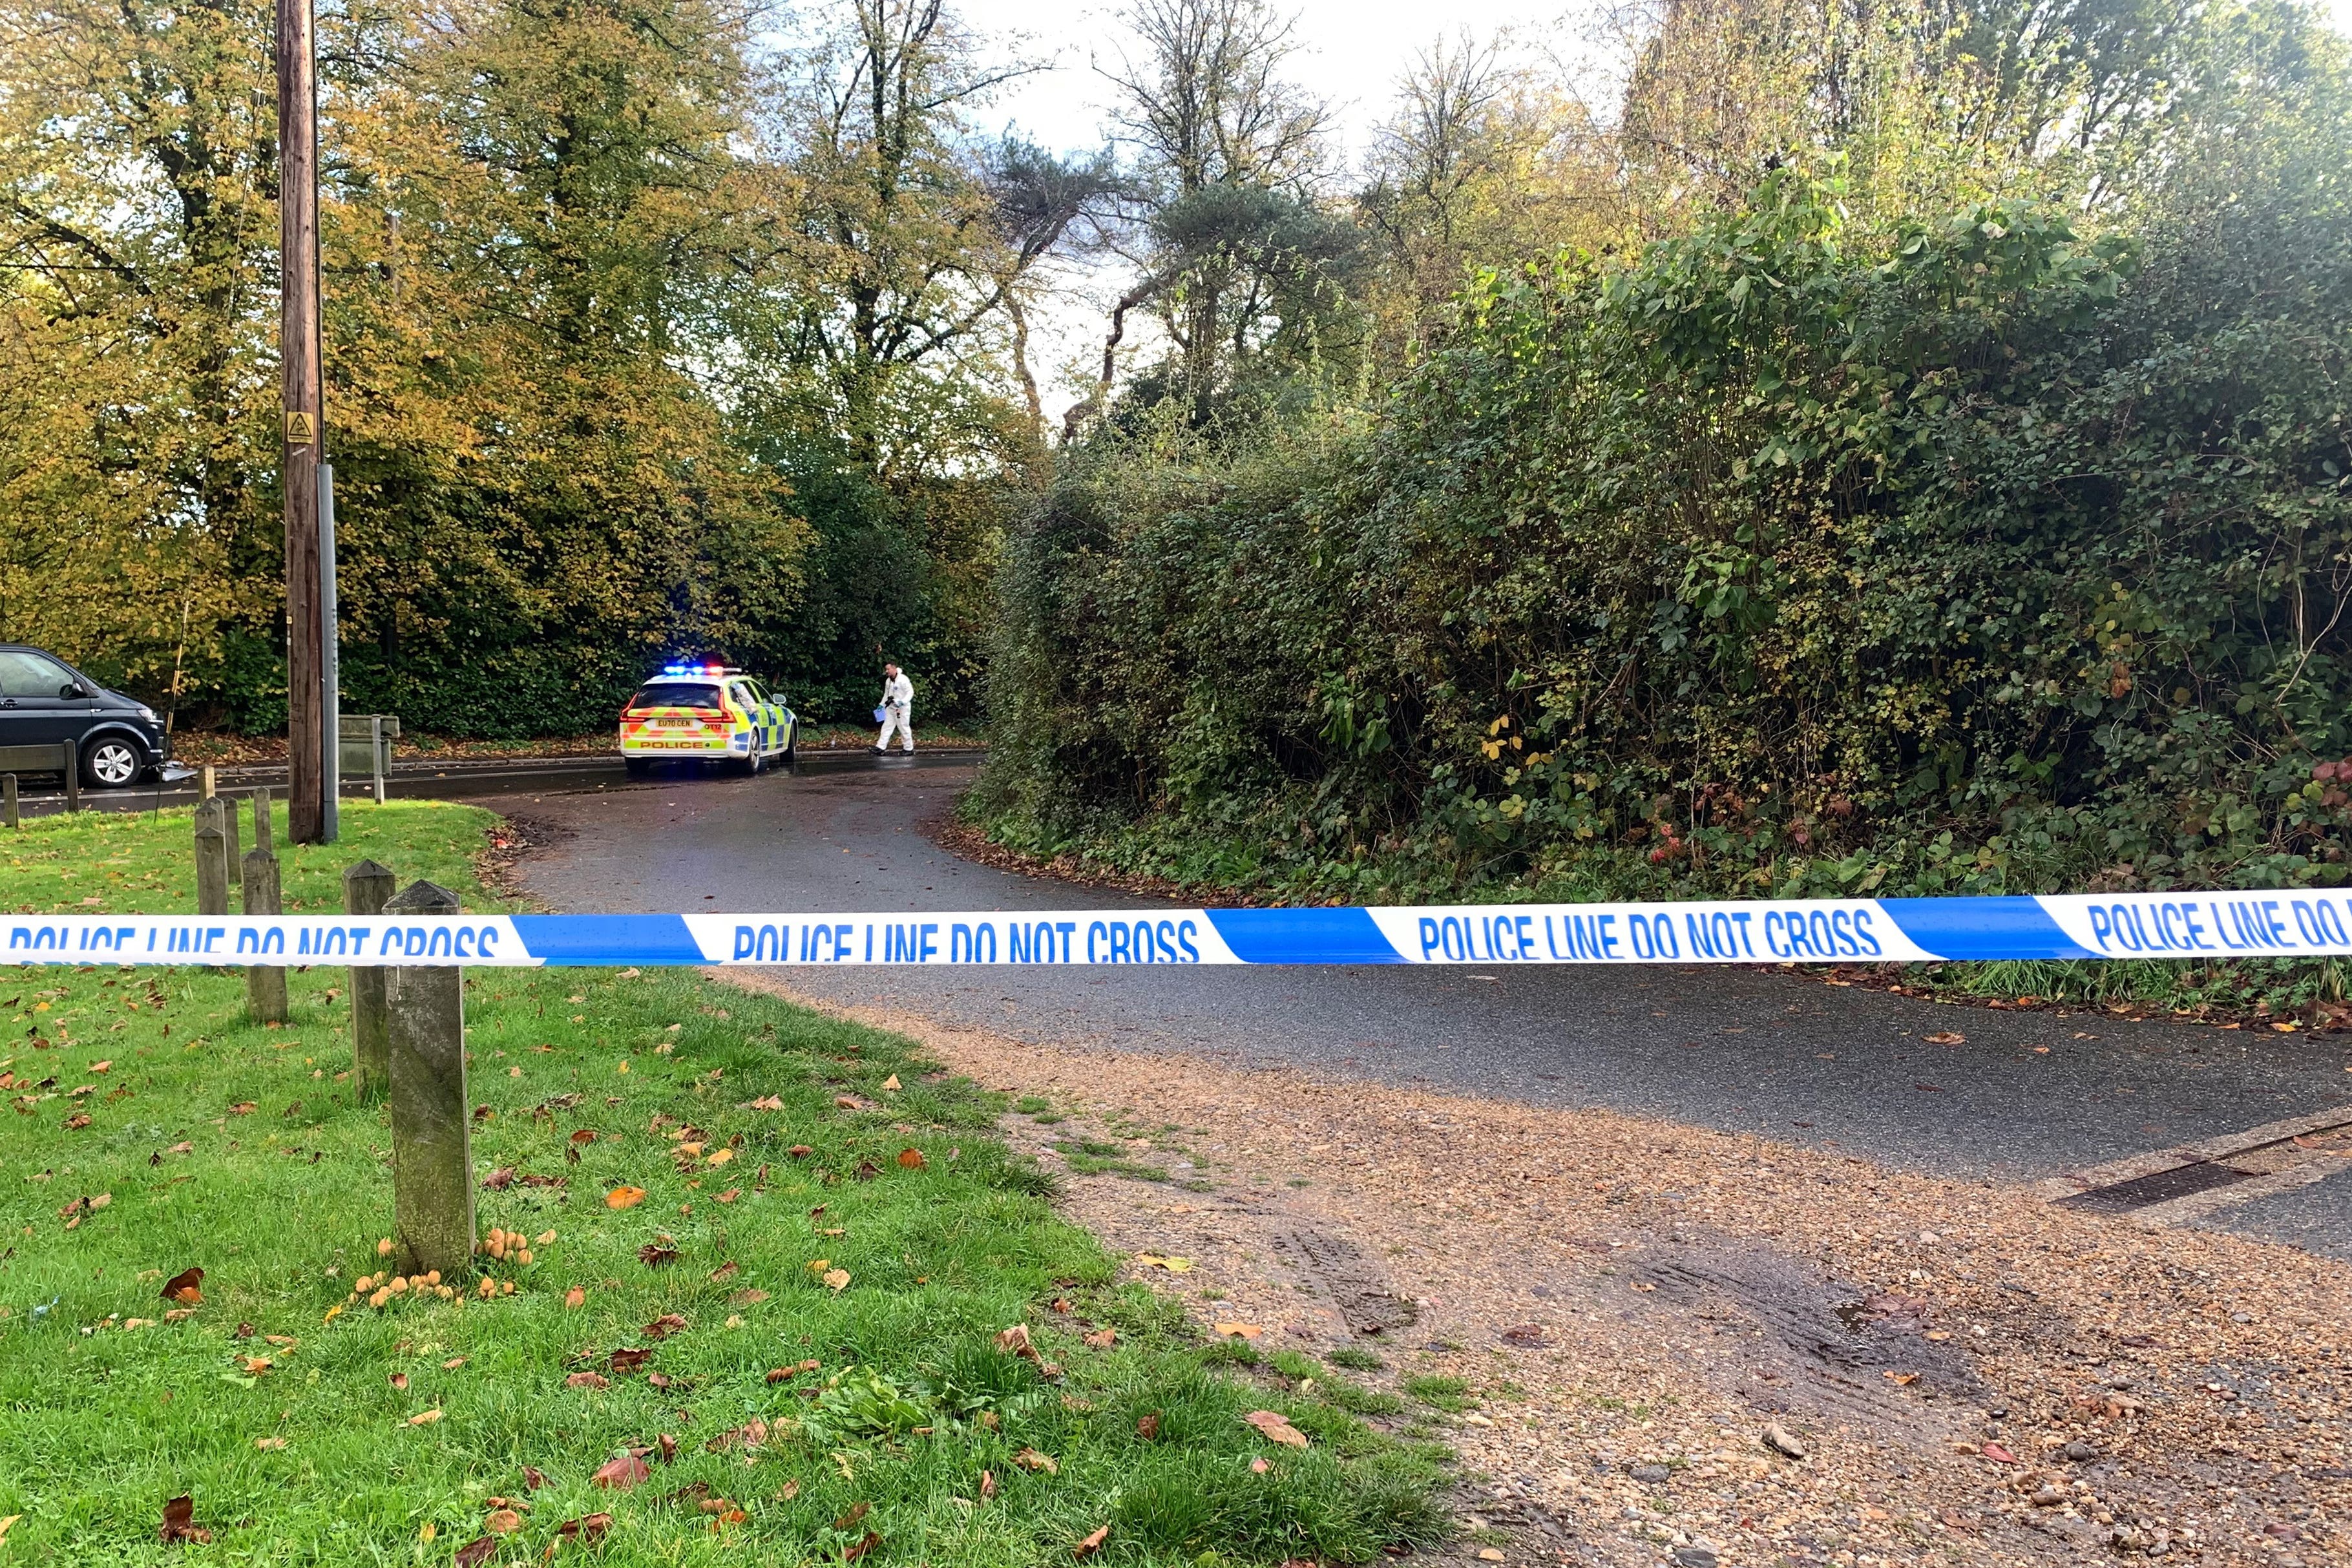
{"points": [[2267, 924]]}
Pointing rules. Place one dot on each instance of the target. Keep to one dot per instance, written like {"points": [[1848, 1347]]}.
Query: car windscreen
{"points": [[696, 694]]}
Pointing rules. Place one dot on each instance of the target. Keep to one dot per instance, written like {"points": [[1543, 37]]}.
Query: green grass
{"points": [[283, 1188], [1443, 1393]]}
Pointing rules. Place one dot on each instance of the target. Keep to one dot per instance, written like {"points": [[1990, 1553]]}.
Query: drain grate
{"points": [[2160, 1186]]}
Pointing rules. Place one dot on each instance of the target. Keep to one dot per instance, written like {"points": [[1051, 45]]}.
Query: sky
{"points": [[1350, 51]]}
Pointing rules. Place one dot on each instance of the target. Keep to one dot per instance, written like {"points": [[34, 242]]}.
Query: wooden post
{"points": [[265, 984], [265, 841], [366, 887], [207, 792], [212, 857], [297, 225], [432, 1147], [9, 799]]}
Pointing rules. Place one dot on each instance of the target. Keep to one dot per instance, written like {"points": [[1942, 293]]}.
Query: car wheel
{"points": [[792, 753], [638, 767], [113, 763]]}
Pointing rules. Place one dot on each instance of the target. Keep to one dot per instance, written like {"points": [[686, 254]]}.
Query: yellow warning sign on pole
{"points": [[301, 428]]}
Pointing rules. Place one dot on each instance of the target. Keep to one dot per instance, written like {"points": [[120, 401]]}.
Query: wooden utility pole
{"points": [[298, 219]]}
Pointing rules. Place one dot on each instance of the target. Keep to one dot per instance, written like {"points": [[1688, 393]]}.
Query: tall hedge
{"points": [[1972, 554]]}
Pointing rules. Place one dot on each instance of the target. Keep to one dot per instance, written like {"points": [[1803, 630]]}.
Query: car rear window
{"points": [[676, 693]]}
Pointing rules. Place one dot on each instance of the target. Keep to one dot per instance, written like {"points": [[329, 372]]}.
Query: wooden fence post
{"points": [[366, 888], [212, 857], [265, 984], [432, 1147]]}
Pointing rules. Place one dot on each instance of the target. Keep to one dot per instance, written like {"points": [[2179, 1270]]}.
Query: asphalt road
{"points": [[1738, 1049]]}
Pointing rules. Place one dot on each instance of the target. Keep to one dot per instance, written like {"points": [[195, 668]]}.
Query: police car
{"points": [[707, 713]]}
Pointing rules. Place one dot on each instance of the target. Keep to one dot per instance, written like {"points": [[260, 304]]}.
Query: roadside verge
{"points": [[1608, 1316]]}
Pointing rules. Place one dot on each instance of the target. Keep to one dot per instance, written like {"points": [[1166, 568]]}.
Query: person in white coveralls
{"points": [[897, 703]]}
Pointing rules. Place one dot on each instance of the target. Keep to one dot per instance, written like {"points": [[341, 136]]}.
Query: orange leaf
{"points": [[1275, 1429], [621, 1474], [625, 1197], [912, 1159], [1087, 1547]]}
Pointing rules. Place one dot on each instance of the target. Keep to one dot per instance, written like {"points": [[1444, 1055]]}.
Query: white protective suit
{"points": [[898, 708]]}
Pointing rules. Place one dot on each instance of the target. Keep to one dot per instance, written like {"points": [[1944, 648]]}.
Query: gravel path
{"points": [[1626, 1306]]}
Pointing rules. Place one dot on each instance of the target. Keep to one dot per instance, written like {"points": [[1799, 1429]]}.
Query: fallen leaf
{"points": [[625, 1197], [424, 1417], [751, 1297], [837, 1279], [846, 1102], [243, 1108], [575, 1296], [1092, 1544], [1154, 1260], [800, 1151], [475, 1552], [587, 1380], [853, 1553], [1997, 1454], [1946, 1037], [720, 1156], [1275, 1428], [621, 1474], [1103, 1339], [912, 1159], [1259, 1467], [269, 1444], [891, 1081], [1239, 1331], [987, 1484], [1031, 1459], [503, 1521], [1146, 1426], [664, 1326], [182, 1287], [400, 1380], [626, 1360], [590, 1527], [532, 1479], [180, 1521], [654, 1256], [753, 1434], [765, 1102], [729, 1196], [1528, 1336], [725, 1271], [499, 1180], [1902, 1379], [453, 1364], [1014, 1340]]}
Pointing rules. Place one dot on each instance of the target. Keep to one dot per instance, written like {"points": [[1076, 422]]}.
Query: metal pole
{"points": [[330, 661], [298, 216]]}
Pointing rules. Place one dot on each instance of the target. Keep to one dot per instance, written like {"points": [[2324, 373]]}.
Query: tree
{"points": [[1480, 162], [1233, 252]]}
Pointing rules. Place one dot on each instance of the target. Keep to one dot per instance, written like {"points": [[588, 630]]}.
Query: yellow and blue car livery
{"points": [[707, 713]]}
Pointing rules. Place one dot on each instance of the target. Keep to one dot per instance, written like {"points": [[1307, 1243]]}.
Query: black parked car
{"points": [[45, 700]]}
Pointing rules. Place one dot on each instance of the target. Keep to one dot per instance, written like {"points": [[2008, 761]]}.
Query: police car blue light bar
{"points": [[2202, 926]]}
